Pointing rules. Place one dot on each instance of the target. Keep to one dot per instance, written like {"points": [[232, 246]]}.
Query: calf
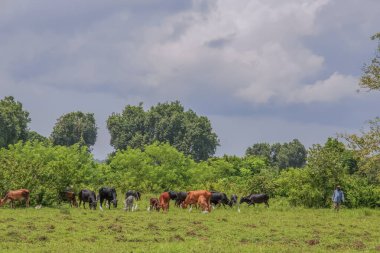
{"points": [[129, 206], [68, 196], [87, 196], [154, 204], [21, 194], [255, 198], [108, 194], [164, 201]]}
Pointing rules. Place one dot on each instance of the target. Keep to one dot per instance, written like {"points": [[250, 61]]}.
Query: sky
{"points": [[260, 70]]}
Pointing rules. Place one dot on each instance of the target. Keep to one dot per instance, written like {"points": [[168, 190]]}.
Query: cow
{"points": [[68, 196], [21, 194], [234, 199], [181, 196], [164, 201], [218, 198], [255, 198], [192, 198], [173, 195], [87, 196], [202, 203], [133, 193], [108, 194], [154, 204], [129, 206]]}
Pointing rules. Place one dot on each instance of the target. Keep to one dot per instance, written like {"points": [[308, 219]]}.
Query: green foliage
{"points": [[13, 122], [45, 170], [366, 150], [166, 122], [371, 76], [158, 168], [286, 155], [75, 127]]}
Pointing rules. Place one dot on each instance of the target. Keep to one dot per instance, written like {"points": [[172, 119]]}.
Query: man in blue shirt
{"points": [[337, 197]]}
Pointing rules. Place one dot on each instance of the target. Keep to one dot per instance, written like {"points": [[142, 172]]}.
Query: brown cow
{"points": [[193, 196], [69, 197], [202, 202], [154, 204], [164, 201], [16, 195]]}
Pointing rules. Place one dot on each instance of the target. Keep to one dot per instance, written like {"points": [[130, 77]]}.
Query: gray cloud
{"points": [[294, 62]]}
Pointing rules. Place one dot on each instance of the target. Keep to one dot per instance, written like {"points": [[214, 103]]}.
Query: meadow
{"points": [[279, 228]]}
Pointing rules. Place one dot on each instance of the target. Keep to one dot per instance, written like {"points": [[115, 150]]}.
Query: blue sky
{"points": [[261, 71]]}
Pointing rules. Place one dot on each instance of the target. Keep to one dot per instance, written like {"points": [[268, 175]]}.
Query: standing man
{"points": [[337, 197]]}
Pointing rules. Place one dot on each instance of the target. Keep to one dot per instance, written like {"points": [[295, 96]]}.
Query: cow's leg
{"points": [[109, 204], [101, 204], [267, 204]]}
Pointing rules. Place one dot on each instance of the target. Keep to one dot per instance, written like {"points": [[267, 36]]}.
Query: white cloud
{"points": [[335, 87]]}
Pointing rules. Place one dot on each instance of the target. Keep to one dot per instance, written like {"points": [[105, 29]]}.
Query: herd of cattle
{"points": [[202, 198]]}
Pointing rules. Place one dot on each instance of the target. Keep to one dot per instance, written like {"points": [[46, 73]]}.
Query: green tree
{"points": [[166, 122], [371, 73], [34, 136], [75, 127], [260, 149], [13, 122], [292, 154], [366, 150]]}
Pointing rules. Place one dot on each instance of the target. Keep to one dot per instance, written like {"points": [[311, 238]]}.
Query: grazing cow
{"points": [[218, 198], [87, 196], [234, 199], [108, 194], [154, 204], [129, 206], [133, 193], [255, 198], [164, 201], [181, 196], [68, 196], [16, 195], [192, 198], [173, 195], [202, 202]]}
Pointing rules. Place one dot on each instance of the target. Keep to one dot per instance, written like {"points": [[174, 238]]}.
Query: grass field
{"points": [[254, 229]]}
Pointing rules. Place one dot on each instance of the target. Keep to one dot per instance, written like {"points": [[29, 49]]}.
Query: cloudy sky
{"points": [[260, 70]]}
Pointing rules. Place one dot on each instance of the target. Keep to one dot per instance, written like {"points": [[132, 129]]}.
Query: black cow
{"points": [[181, 196], [133, 193], [255, 198], [106, 193], [234, 199], [218, 198], [88, 196], [173, 195]]}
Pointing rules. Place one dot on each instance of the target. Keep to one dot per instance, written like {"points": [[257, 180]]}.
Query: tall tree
{"points": [[13, 122], [371, 76], [75, 127], [165, 122], [292, 154], [260, 149]]}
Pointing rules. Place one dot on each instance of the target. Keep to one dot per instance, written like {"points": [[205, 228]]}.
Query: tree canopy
{"points": [[371, 72], [13, 122], [165, 122], [75, 127], [292, 154]]}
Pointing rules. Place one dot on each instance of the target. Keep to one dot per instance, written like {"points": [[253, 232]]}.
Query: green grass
{"points": [[254, 229]]}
